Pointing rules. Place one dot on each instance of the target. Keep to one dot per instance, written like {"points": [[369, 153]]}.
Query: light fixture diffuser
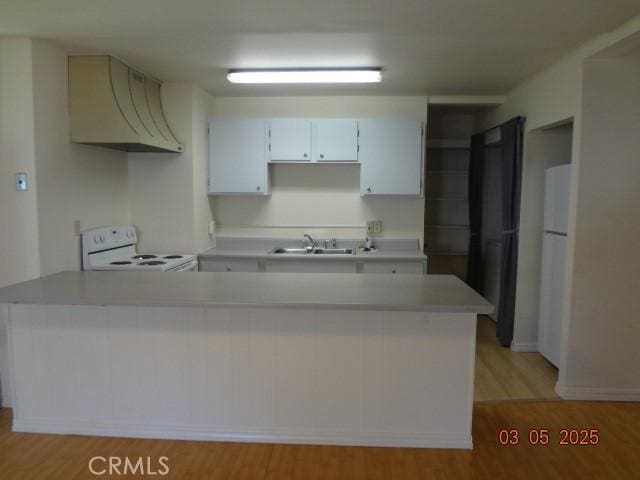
{"points": [[320, 75]]}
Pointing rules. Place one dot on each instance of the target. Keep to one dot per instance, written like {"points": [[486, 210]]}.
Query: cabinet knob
{"points": [[228, 269], [305, 155], [369, 189], [393, 271], [322, 155], [258, 188]]}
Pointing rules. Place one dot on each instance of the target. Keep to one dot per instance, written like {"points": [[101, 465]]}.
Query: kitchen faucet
{"points": [[332, 241], [313, 243]]}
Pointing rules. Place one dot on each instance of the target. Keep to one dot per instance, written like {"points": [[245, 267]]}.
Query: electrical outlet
{"points": [[369, 227], [377, 226]]}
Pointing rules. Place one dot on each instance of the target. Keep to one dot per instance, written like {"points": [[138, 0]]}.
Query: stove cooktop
{"points": [[148, 261], [114, 248]]}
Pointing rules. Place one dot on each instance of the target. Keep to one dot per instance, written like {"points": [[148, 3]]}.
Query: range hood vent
{"points": [[115, 106]]}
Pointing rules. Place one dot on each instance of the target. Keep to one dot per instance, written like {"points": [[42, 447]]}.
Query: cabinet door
{"points": [[391, 153], [228, 265], [415, 268], [335, 140], [290, 140], [310, 266], [237, 162]]}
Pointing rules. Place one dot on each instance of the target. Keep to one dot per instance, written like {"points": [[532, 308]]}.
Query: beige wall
{"points": [[602, 337], [19, 257], [167, 191], [328, 196], [75, 182], [552, 96]]}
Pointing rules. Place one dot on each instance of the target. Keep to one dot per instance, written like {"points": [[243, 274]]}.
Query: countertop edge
{"points": [[477, 309]]}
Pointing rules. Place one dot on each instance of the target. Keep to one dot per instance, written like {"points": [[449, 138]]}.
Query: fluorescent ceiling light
{"points": [[326, 75]]}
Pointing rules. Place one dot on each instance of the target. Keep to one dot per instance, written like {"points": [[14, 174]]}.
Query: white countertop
{"points": [[420, 293]]}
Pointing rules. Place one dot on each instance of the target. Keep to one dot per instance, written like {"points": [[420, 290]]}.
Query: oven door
{"points": [[187, 267]]}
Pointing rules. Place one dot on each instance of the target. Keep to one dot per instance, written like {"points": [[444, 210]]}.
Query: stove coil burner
{"points": [[173, 256], [122, 262], [152, 263], [143, 257]]}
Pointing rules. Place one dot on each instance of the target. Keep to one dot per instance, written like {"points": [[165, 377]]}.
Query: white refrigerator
{"points": [[554, 248]]}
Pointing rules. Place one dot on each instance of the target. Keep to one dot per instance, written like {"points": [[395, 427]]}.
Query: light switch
{"points": [[21, 182]]}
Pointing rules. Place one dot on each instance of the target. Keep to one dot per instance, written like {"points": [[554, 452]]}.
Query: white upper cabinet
{"points": [[237, 157], [313, 140], [335, 140], [290, 140], [391, 156]]}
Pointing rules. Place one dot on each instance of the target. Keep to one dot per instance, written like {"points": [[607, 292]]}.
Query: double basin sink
{"points": [[312, 251]]}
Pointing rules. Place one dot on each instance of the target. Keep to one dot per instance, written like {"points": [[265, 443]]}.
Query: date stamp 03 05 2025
{"points": [[543, 436]]}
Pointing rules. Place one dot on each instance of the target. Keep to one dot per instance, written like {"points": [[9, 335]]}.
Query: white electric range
{"points": [[114, 248]]}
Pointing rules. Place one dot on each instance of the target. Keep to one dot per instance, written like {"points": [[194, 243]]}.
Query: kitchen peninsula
{"points": [[351, 359]]}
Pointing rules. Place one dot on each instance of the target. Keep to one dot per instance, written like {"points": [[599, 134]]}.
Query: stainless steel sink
{"points": [[333, 251], [290, 251]]}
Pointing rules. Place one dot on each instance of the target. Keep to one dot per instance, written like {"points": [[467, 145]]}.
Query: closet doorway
{"points": [[446, 221]]}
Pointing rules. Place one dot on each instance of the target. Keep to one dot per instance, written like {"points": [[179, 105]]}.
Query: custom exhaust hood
{"points": [[113, 105]]}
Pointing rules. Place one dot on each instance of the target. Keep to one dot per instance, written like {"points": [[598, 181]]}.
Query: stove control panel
{"points": [[105, 238]]}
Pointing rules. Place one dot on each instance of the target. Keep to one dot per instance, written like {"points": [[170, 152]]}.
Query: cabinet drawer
{"points": [[301, 266], [415, 268], [228, 265]]}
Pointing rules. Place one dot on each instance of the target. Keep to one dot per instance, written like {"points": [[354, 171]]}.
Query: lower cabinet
{"points": [[416, 268], [310, 266], [302, 266], [229, 265]]}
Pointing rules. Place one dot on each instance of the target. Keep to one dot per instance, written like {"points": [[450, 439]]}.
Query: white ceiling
{"points": [[425, 46]]}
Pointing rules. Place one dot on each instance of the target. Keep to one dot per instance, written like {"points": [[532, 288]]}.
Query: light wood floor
{"points": [[60, 457], [502, 374]]}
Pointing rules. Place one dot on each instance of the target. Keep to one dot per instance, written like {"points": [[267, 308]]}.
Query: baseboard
{"points": [[214, 433], [524, 346], [599, 394]]}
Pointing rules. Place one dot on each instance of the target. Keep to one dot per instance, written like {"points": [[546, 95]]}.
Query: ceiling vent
{"points": [[115, 106]]}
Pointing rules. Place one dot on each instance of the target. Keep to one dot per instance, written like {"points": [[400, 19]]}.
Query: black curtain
{"points": [[511, 164], [476, 175]]}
